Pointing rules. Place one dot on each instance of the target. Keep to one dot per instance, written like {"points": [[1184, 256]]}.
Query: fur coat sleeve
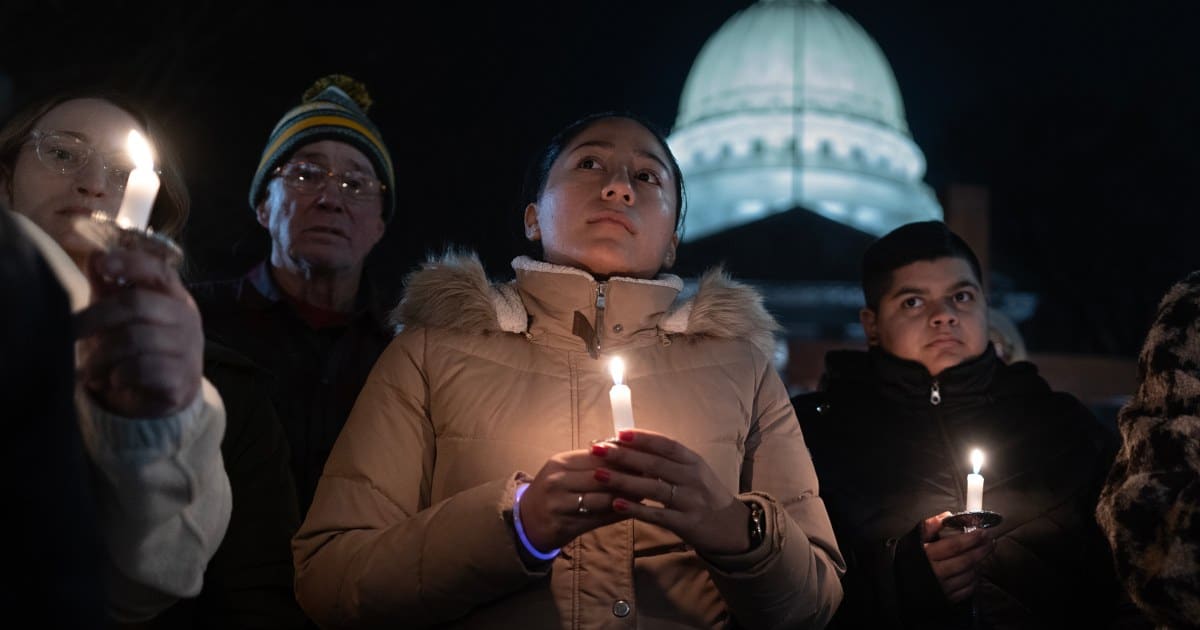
{"points": [[1150, 506]]}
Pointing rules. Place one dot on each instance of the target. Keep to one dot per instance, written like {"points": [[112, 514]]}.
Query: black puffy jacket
{"points": [[891, 446]]}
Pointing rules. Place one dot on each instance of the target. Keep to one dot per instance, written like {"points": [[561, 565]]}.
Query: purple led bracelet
{"points": [[521, 530]]}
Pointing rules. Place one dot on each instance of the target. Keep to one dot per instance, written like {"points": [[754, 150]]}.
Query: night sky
{"points": [[1081, 118]]}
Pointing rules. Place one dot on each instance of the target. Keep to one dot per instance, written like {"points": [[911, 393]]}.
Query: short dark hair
{"points": [[907, 244], [539, 170]]}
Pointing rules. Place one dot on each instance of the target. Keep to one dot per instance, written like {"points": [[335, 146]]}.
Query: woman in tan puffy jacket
{"points": [[706, 515]]}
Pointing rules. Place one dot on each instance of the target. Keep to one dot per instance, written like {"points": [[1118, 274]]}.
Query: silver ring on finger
{"points": [[670, 497], [580, 508]]}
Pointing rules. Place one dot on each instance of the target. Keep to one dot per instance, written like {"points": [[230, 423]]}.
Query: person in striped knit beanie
{"points": [[324, 189], [334, 108]]}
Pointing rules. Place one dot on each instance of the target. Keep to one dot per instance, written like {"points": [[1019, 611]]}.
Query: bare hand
{"points": [[566, 499], [141, 342], [955, 559], [696, 506]]}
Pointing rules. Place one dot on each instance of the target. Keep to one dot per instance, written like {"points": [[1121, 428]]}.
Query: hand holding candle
{"points": [[975, 483], [620, 397], [128, 229], [142, 187]]}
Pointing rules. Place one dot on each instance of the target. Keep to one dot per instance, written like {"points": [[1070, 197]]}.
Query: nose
{"points": [[330, 197], [92, 180], [620, 187], [943, 315]]}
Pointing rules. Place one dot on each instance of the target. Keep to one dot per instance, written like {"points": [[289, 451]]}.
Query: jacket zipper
{"points": [[935, 399], [600, 299]]}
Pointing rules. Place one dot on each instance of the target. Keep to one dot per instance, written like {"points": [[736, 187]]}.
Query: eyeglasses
{"points": [[67, 154], [308, 178]]}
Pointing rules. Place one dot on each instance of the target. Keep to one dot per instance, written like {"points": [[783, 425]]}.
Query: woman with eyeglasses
{"points": [[481, 481], [153, 426]]}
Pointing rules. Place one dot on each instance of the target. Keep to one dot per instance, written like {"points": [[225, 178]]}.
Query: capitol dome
{"points": [[792, 104]]}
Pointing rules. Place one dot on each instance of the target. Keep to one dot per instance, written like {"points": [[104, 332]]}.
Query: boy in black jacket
{"points": [[891, 433]]}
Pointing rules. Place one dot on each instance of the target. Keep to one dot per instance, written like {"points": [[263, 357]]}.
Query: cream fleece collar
{"points": [[452, 291]]}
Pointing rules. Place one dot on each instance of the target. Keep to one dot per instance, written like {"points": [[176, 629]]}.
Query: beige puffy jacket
{"points": [[412, 521]]}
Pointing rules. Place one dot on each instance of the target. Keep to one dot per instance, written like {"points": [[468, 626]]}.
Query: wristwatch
{"points": [[757, 524]]}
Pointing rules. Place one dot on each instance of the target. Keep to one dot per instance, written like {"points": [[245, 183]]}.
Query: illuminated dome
{"points": [[792, 104]]}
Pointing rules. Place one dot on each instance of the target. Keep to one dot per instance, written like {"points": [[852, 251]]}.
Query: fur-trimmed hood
{"points": [[453, 291]]}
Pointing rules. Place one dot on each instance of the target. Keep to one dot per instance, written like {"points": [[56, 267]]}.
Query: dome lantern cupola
{"points": [[792, 104]]}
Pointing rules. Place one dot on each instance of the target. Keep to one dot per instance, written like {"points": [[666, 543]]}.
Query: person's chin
{"points": [[74, 244], [610, 260], [945, 358], [596, 263], [322, 256], [948, 357]]}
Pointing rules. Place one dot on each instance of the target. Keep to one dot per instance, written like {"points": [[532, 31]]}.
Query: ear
{"points": [[263, 215], [870, 324], [533, 231], [669, 259]]}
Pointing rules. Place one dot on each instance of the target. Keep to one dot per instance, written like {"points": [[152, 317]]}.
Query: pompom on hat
{"points": [[334, 108]]}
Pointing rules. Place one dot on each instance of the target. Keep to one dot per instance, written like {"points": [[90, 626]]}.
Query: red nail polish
{"points": [[626, 435], [620, 505], [602, 475], [599, 451]]}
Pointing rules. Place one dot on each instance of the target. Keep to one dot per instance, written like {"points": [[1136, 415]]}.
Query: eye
{"points": [[61, 153], [649, 177], [119, 165], [964, 296], [353, 182], [589, 163], [308, 172], [119, 173], [62, 150], [912, 302]]}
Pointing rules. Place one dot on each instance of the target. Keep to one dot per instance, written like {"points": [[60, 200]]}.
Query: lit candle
{"points": [[975, 483], [620, 397], [142, 186]]}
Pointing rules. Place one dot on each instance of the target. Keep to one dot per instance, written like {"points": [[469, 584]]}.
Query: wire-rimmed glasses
{"points": [[66, 154]]}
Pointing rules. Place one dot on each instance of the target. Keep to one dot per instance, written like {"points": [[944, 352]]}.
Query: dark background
{"points": [[1080, 118]]}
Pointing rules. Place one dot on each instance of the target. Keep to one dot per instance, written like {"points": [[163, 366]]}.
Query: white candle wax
{"points": [[975, 483], [620, 397], [142, 187]]}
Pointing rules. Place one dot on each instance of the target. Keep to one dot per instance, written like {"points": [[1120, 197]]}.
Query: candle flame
{"points": [[976, 460], [617, 367], [139, 150]]}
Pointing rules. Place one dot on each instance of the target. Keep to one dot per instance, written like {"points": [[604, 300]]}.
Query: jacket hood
{"points": [[452, 291]]}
